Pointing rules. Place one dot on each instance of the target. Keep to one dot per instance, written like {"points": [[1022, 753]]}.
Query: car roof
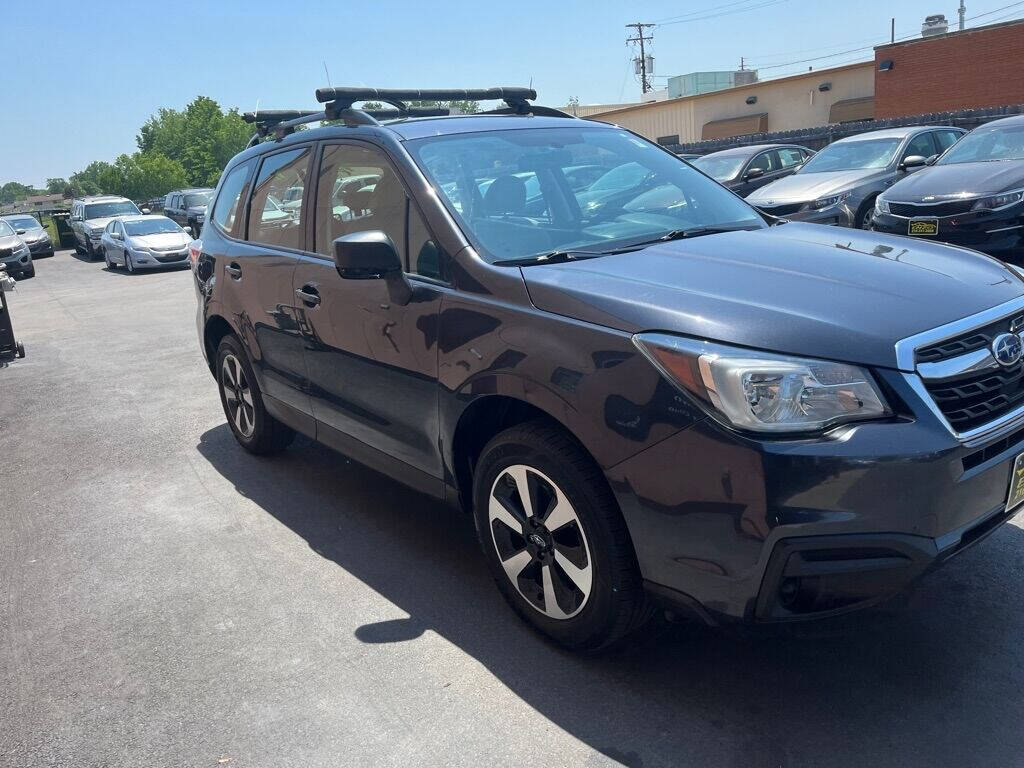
{"points": [[101, 199], [751, 149], [190, 190], [23, 215], [1003, 121], [901, 132], [142, 216]]}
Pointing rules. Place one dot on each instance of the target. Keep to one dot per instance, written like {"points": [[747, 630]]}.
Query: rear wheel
{"points": [[555, 540], [255, 429]]}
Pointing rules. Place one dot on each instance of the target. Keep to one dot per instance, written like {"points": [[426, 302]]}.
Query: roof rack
{"points": [[338, 105]]}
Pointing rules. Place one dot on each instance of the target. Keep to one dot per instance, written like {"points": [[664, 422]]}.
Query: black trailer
{"points": [[10, 348]]}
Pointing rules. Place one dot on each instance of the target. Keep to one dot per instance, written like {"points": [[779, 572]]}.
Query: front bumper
{"points": [[42, 247], [16, 265], [160, 259], [992, 232], [766, 530]]}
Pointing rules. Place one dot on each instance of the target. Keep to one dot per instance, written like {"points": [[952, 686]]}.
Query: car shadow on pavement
{"points": [[935, 680]]}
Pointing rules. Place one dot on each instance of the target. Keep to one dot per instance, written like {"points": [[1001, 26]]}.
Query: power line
{"points": [[702, 10], [762, 4]]}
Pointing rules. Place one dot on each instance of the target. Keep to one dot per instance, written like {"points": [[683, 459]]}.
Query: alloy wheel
{"points": [[540, 541], [869, 219], [237, 396]]}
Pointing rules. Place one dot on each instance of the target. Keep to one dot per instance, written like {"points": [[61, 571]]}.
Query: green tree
{"points": [[202, 138], [56, 186], [13, 191], [87, 180], [142, 176]]}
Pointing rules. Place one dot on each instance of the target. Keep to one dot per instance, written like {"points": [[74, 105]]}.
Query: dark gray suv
{"points": [[645, 397]]}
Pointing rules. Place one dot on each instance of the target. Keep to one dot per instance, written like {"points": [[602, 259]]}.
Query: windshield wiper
{"points": [[552, 257], [682, 234]]}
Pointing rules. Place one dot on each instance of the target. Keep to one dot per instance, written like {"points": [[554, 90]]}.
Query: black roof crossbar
{"points": [[338, 106]]}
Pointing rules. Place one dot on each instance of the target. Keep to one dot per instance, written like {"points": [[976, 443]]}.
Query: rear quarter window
{"points": [[226, 207]]}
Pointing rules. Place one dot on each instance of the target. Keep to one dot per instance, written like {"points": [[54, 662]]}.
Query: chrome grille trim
{"points": [[955, 367], [913, 375]]}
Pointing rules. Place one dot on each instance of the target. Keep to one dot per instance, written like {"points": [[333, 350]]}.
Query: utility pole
{"points": [[645, 84], [962, 10]]}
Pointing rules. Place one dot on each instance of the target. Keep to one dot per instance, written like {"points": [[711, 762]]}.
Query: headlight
{"points": [[763, 392], [881, 206], [998, 201], [21, 250], [828, 202]]}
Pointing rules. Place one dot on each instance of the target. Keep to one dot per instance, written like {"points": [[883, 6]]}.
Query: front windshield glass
{"points": [[721, 168], [986, 144], [23, 222], [193, 201], [5, 229], [853, 155], [515, 192], [155, 225], [106, 210]]}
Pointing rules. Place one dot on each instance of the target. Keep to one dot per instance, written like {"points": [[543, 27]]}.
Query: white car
{"points": [[144, 242]]}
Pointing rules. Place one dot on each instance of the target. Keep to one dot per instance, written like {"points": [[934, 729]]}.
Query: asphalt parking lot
{"points": [[168, 600]]}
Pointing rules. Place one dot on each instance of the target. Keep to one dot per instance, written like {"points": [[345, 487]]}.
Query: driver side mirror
{"points": [[20, 231], [366, 255], [753, 173], [913, 161], [117, 235], [145, 211]]}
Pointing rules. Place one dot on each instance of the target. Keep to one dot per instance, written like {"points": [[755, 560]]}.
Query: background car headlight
{"points": [[998, 201], [764, 392], [828, 202], [881, 206]]}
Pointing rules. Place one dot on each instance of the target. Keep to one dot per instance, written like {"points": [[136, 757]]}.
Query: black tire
{"points": [[106, 260], [89, 250], [268, 435], [867, 209], [129, 265], [30, 271], [616, 605], [78, 248]]}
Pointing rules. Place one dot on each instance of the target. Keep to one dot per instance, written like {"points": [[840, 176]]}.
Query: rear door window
{"points": [[921, 144], [270, 221], [789, 157]]}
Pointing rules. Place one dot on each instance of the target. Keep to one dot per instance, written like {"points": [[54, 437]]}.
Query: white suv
{"points": [[89, 215]]}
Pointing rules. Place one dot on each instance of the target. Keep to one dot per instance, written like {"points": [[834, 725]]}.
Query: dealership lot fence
{"points": [[822, 136]]}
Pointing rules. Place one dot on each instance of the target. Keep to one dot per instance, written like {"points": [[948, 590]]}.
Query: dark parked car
{"points": [[188, 208], [972, 196], [744, 169], [668, 403], [32, 233]]}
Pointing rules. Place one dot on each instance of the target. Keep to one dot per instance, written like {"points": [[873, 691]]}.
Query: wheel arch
{"points": [[481, 420], [214, 331]]}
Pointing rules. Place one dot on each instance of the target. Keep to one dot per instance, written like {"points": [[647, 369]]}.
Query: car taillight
{"points": [[194, 249]]}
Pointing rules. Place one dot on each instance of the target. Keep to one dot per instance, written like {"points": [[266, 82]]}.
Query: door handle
{"points": [[309, 295], [234, 271]]}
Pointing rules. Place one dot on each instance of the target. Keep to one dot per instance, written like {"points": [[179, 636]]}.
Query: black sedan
{"points": [[744, 169], [972, 196]]}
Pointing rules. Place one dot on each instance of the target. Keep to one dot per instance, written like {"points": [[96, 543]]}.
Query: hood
{"points": [[33, 234], [803, 289], [10, 241], [161, 240], [959, 180], [801, 187]]}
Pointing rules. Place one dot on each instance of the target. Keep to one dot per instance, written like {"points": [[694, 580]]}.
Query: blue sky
{"points": [[79, 78]]}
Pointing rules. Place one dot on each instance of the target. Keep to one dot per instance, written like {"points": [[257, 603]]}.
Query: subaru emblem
{"points": [[1007, 349]]}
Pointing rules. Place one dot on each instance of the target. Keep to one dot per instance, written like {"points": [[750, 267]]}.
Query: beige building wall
{"points": [[790, 103]]}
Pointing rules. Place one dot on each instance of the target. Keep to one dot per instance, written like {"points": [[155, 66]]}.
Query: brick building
{"points": [[980, 67]]}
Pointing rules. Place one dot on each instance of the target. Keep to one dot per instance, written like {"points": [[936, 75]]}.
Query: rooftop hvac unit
{"points": [[935, 24], [744, 76]]}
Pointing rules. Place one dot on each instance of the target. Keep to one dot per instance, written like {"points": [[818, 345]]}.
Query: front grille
{"points": [[5, 252], [781, 210], [938, 209], [171, 258], [976, 400], [968, 342]]}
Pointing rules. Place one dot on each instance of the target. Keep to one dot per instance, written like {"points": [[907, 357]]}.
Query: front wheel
{"points": [[255, 429], [866, 216], [128, 263], [554, 538]]}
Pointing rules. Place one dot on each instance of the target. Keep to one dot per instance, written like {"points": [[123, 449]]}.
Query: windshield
{"points": [[193, 201], [154, 225], [5, 229], [721, 168], [987, 144], [106, 210], [513, 193], [23, 222], [853, 155]]}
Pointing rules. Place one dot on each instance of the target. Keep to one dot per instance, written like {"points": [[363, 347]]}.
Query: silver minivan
{"points": [[840, 183]]}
